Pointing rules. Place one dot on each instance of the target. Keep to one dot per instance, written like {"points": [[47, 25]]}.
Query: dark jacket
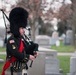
{"points": [[13, 45]]}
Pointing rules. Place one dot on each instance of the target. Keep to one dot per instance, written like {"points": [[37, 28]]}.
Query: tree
{"points": [[33, 7], [45, 10], [62, 12], [65, 12], [73, 21], [62, 27]]}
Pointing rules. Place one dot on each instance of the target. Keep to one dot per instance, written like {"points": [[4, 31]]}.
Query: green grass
{"points": [[2, 56], [1, 64], [64, 60], [2, 49], [63, 48], [64, 63]]}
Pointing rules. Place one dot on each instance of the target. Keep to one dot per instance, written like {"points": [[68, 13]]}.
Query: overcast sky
{"points": [[54, 6], [8, 4]]}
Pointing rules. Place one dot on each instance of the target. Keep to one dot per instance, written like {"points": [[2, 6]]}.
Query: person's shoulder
{"points": [[11, 39]]}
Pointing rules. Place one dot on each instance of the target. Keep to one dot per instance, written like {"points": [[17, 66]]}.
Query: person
{"points": [[19, 52]]}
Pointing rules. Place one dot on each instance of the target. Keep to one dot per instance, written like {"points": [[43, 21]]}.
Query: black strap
{"points": [[4, 15], [11, 68], [31, 63], [25, 73], [26, 67]]}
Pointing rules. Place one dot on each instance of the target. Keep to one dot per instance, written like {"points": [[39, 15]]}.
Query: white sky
{"points": [[7, 5], [54, 6], [1, 20]]}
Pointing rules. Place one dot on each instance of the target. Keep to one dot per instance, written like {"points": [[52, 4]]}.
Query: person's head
{"points": [[21, 31], [18, 20]]}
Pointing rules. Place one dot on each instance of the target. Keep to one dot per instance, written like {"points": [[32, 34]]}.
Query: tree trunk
{"points": [[74, 22], [73, 41], [33, 31]]}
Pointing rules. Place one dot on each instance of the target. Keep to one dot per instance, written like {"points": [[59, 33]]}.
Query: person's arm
{"points": [[13, 50]]}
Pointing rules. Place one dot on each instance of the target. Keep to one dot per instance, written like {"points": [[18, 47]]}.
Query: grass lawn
{"points": [[2, 49], [64, 63], [64, 60], [1, 64], [63, 48]]}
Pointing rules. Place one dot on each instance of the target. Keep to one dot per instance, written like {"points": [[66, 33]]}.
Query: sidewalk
{"points": [[59, 54], [65, 54], [2, 52]]}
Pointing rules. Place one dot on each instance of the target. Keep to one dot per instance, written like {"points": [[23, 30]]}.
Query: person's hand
{"points": [[31, 57], [35, 54]]}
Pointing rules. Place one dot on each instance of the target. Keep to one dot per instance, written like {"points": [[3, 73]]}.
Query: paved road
{"points": [[59, 54], [2, 52], [65, 54]]}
